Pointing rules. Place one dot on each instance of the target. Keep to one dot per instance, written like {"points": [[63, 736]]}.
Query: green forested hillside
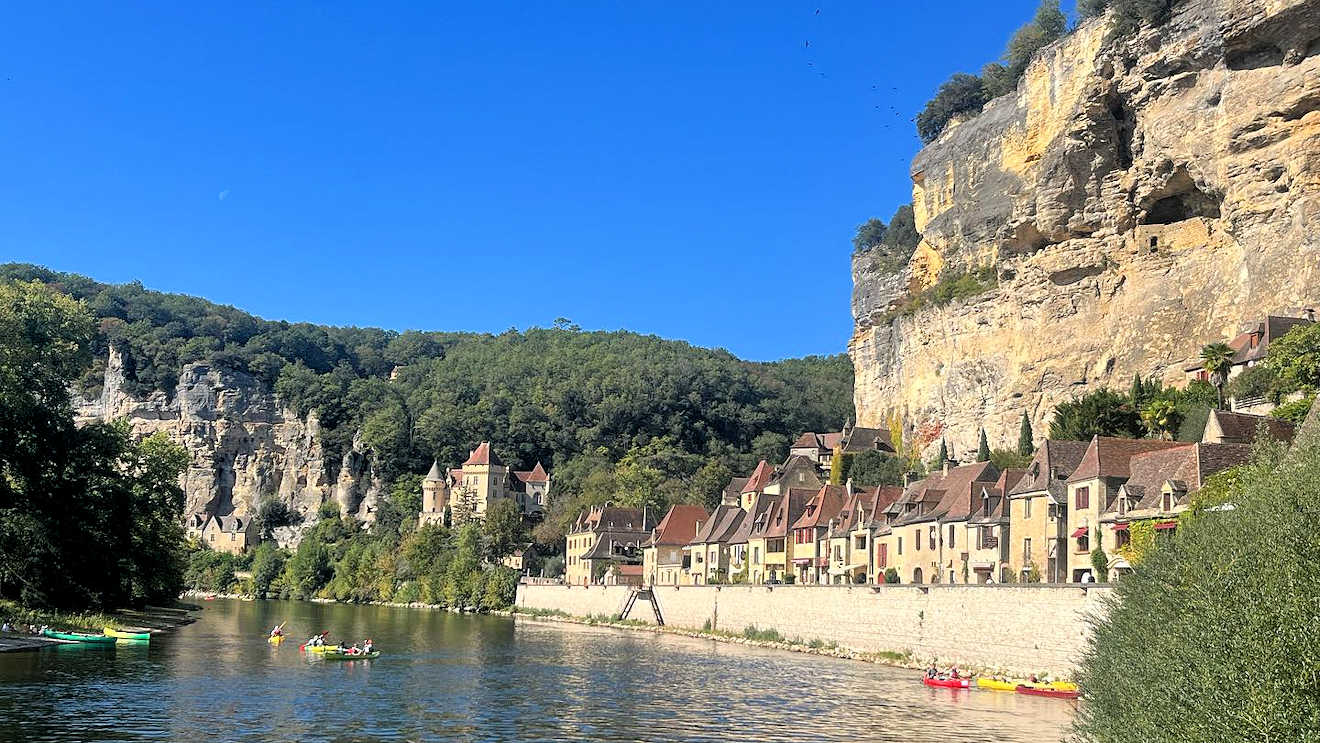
{"points": [[580, 402]]}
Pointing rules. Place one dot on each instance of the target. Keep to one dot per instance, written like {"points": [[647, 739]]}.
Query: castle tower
{"points": [[435, 496], [485, 477]]}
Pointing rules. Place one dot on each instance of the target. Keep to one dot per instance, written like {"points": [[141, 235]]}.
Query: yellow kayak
{"points": [[122, 635], [275, 639], [317, 648], [995, 684]]}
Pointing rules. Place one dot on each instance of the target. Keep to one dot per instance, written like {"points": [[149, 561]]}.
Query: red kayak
{"points": [[949, 683], [1039, 691]]}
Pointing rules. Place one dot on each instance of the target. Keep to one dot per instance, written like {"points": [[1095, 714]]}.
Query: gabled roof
{"points": [[536, 474], [822, 507], [482, 455], [611, 518], [1050, 468], [1253, 344], [720, 526], [758, 520], [947, 495], [990, 505], [603, 549], [678, 526], [436, 474], [456, 474], [1110, 457], [760, 477], [865, 503], [735, 488], [788, 510], [864, 439], [1240, 428], [1185, 467]]}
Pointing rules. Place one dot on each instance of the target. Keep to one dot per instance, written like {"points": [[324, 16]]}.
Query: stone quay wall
{"points": [[1010, 628]]}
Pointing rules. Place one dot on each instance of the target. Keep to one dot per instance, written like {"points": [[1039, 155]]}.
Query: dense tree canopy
{"points": [[67, 492]]}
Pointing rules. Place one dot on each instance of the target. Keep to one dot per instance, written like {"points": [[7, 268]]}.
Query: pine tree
{"points": [[944, 452], [1138, 391], [983, 451], [1026, 437]]}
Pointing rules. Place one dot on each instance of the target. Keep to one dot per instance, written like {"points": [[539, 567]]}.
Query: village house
{"points": [[856, 549], [795, 472], [603, 536], [817, 447], [1250, 348], [710, 558], [746, 565], [521, 559], [778, 550], [810, 534], [1038, 514], [665, 560], [1092, 488], [755, 484], [989, 531], [481, 481], [1223, 427], [229, 534], [923, 542], [1158, 490]]}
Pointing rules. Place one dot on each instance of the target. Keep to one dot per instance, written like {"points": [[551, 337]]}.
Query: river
{"points": [[450, 677]]}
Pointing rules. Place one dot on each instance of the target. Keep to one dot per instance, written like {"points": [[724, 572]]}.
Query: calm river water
{"points": [[448, 677]]}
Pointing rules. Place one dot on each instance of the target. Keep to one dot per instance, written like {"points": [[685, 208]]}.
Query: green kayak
{"points": [[79, 637]]}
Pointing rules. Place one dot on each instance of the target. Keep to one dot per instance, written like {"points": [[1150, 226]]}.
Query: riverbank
{"points": [[153, 619]]}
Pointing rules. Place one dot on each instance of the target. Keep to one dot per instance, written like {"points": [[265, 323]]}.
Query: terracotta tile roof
{"points": [[865, 503], [1240, 428], [613, 518], [1054, 463], [482, 455], [719, 526], [990, 505], [807, 441], [822, 507], [1253, 344], [831, 440], [630, 570], [947, 496], [758, 521], [678, 526], [735, 487], [1110, 457], [536, 474], [760, 477]]}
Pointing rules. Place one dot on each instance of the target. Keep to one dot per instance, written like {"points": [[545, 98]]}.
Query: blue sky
{"points": [[693, 170]]}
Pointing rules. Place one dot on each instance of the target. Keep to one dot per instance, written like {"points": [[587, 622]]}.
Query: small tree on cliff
{"points": [[961, 94], [1026, 438], [983, 449]]}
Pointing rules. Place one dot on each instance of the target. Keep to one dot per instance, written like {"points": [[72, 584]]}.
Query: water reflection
{"points": [[447, 677]]}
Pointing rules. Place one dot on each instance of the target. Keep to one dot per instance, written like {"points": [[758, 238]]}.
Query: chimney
{"points": [[947, 464], [848, 486], [908, 477]]}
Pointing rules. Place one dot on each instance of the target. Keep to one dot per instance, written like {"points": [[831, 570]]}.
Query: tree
{"points": [[1102, 412], [709, 483], [983, 449], [267, 566], [961, 94], [891, 576], [1161, 417], [273, 514], [1295, 360], [1099, 565], [502, 529], [943, 455], [874, 467], [1026, 438], [1217, 620], [902, 237], [1217, 358], [870, 234], [997, 80], [1129, 15], [1044, 29]]}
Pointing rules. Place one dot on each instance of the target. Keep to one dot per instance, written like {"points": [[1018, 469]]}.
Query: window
{"points": [[1122, 538], [952, 540], [1167, 504], [900, 545], [1083, 498], [859, 542], [1084, 543], [1026, 508], [933, 537], [1026, 549], [838, 552], [1122, 506], [916, 539], [756, 554], [882, 555]]}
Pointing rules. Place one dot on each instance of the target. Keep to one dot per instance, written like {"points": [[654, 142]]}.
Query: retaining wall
{"points": [[1014, 628]]}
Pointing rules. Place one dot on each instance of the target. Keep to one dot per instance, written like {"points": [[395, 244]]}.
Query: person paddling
{"points": [[367, 647]]}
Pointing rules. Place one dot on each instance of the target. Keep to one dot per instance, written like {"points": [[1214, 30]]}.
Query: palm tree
{"points": [[1217, 358]]}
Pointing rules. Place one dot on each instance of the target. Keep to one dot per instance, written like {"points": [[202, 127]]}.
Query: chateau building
{"points": [[229, 534], [604, 537], [481, 481]]}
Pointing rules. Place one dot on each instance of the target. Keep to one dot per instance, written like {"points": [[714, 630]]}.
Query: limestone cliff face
{"points": [[245, 446], [1139, 197]]}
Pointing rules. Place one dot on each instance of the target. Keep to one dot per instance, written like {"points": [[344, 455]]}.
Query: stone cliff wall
{"points": [[245, 446], [978, 626], [1138, 197]]}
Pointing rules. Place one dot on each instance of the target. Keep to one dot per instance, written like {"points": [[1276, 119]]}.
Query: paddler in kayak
{"points": [[368, 646], [278, 631]]}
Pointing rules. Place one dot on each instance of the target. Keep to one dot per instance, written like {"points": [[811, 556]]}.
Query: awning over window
{"points": [[1079, 532], [1120, 527], [1165, 525]]}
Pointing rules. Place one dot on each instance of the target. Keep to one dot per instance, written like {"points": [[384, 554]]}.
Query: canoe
{"points": [[315, 648], [947, 683], [1047, 690], [995, 684], [275, 639], [122, 635], [336, 655], [79, 637]]}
